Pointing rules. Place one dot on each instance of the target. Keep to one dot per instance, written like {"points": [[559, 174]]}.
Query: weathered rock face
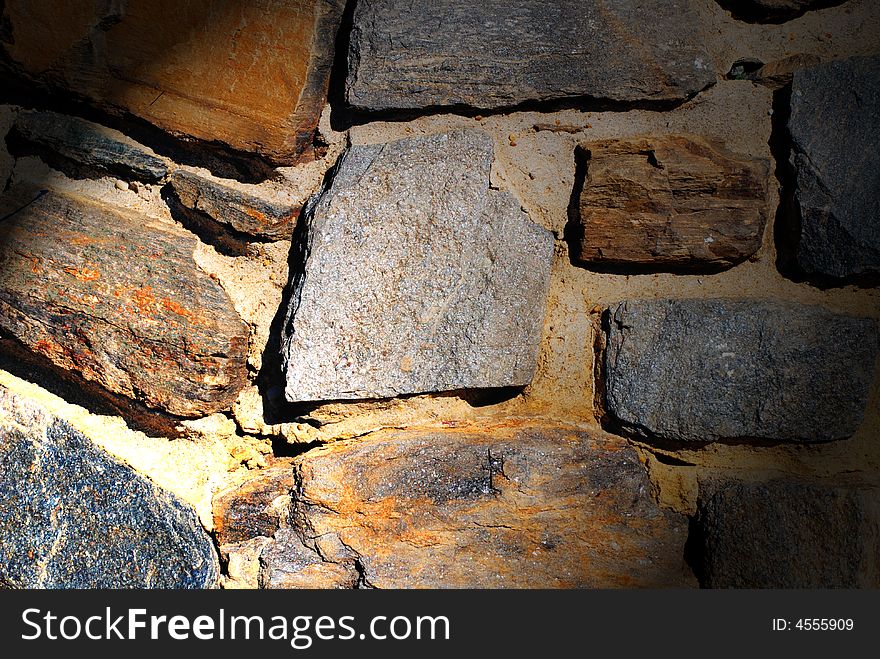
{"points": [[498, 53], [232, 205], [417, 276], [673, 202], [775, 10], [91, 145], [837, 166], [516, 508], [254, 508], [250, 75], [71, 516], [789, 534], [704, 370], [119, 300]]}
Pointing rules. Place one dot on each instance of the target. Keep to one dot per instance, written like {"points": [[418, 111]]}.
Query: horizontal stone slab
{"points": [[237, 206], [91, 145], [707, 370], [788, 534], [252, 76], [416, 276], [72, 516], [834, 128], [530, 507], [669, 202], [116, 298], [500, 53]]}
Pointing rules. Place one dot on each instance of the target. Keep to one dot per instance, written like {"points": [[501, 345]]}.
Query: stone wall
{"points": [[314, 293]]}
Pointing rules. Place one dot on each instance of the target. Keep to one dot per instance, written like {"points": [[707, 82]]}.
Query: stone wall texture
{"points": [[439, 294]]}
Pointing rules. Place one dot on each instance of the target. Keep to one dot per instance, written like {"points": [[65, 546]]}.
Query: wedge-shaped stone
{"points": [[118, 299], [530, 507], [249, 75], [417, 276], [669, 202], [497, 53], [788, 534], [835, 132], [247, 209], [72, 516], [90, 145], [704, 370]]}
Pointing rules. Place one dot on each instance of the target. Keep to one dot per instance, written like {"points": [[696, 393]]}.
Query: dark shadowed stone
{"points": [[252, 509], [834, 126], [676, 202], [704, 370], [526, 507], [116, 298], [417, 276], [72, 516], [90, 145], [788, 534], [229, 203], [774, 11], [497, 53]]}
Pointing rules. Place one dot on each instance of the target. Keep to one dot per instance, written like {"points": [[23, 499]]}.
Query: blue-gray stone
{"points": [[72, 516]]}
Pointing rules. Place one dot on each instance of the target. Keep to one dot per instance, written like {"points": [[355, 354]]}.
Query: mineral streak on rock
{"points": [[252, 509], [72, 516], [118, 299], [232, 205], [500, 53], [89, 144], [669, 202], [834, 127], [706, 370], [249, 75], [509, 507], [417, 276], [788, 534]]}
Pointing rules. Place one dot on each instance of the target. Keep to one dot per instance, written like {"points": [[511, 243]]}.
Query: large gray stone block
{"points": [[835, 132], [497, 53], [72, 516], [417, 276], [705, 370]]}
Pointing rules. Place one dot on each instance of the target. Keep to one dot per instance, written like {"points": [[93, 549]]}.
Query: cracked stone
{"points": [[72, 516], [834, 128], [89, 145], [506, 507], [788, 534], [251, 76], [707, 370], [501, 53], [671, 202], [120, 302], [417, 276]]}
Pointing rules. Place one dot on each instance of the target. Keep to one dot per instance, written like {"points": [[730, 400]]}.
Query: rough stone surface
{"points": [[71, 516], [250, 75], [417, 276], [118, 299], [254, 508], [834, 127], [775, 11], [675, 202], [506, 507], [499, 53], [789, 534], [235, 207], [91, 145], [7, 162], [704, 370]]}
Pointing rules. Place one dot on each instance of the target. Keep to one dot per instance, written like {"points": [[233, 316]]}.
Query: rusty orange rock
{"points": [[250, 75]]}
